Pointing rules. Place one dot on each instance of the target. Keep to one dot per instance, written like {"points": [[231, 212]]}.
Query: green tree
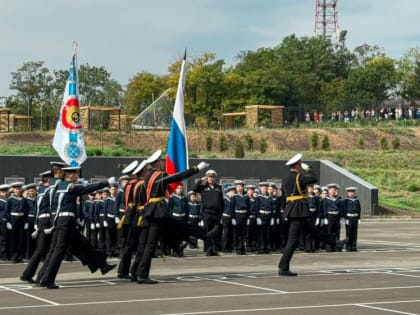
{"points": [[142, 90], [409, 70], [30, 82], [373, 83]]}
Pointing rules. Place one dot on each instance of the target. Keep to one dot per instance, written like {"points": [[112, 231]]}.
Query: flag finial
{"points": [[75, 44]]}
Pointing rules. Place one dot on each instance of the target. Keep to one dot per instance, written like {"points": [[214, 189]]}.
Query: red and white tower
{"points": [[326, 19]]}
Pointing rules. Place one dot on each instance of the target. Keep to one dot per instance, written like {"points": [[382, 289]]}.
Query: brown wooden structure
{"points": [[12, 122], [115, 120], [252, 116]]}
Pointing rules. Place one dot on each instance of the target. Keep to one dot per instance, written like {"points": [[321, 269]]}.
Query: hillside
{"points": [[277, 140]]}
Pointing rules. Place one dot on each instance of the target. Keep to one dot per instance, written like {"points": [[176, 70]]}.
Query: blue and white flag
{"points": [[177, 150], [68, 138]]}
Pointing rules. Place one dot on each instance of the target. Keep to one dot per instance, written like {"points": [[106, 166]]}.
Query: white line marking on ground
{"points": [[384, 309], [401, 274], [29, 295], [294, 308], [249, 286]]}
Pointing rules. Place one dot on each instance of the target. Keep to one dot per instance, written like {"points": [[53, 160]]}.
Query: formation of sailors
{"points": [[133, 216]]}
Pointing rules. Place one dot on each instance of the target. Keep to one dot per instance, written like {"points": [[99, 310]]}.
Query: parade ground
{"points": [[383, 277]]}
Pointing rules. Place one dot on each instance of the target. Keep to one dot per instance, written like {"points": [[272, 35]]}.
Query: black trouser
{"points": [[333, 227], [193, 240], [150, 241], [240, 232], [227, 234], [212, 225], [141, 241], [351, 234], [4, 241], [17, 239], [30, 242], [251, 235], [126, 253], [296, 225], [66, 236], [263, 240], [43, 242]]}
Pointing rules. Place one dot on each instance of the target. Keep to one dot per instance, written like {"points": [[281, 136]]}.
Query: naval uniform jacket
{"points": [[156, 206], [240, 206], [65, 198], [211, 198], [264, 204], [352, 210], [16, 211], [177, 206], [296, 203]]}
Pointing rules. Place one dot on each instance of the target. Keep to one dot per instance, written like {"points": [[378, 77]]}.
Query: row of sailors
{"points": [[269, 203], [244, 206], [255, 216]]}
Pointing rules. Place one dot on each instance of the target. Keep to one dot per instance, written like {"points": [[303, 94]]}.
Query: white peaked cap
{"points": [[154, 157], [130, 167], [5, 187], [296, 158], [140, 167], [71, 168]]}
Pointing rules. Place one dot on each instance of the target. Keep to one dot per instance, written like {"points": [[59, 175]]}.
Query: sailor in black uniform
{"points": [[297, 211], [156, 220]]}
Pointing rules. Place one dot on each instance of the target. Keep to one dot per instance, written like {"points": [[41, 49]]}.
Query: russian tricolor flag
{"points": [[177, 150]]}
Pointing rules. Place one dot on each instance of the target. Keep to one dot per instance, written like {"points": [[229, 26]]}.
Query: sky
{"points": [[131, 36]]}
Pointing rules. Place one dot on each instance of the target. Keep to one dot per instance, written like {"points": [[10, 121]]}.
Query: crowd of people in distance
{"points": [[356, 114]]}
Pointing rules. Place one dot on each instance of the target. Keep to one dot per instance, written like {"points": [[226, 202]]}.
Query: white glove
{"points": [[36, 227], [105, 224], [9, 225], [112, 181], [359, 221], [272, 221], [278, 221], [233, 221], [117, 220], [305, 167], [97, 225], [342, 221], [34, 234], [92, 226], [325, 221], [347, 222], [79, 222], [202, 165], [259, 222], [317, 222], [201, 223], [248, 222], [26, 226]]}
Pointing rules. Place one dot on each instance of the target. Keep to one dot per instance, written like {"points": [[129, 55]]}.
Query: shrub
{"points": [[223, 145], [239, 149], [249, 142], [314, 141], [263, 145], [360, 142], [396, 143], [209, 142], [325, 143], [117, 140], [384, 143]]}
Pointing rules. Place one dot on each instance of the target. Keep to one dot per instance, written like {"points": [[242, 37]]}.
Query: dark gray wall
{"points": [[27, 168]]}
